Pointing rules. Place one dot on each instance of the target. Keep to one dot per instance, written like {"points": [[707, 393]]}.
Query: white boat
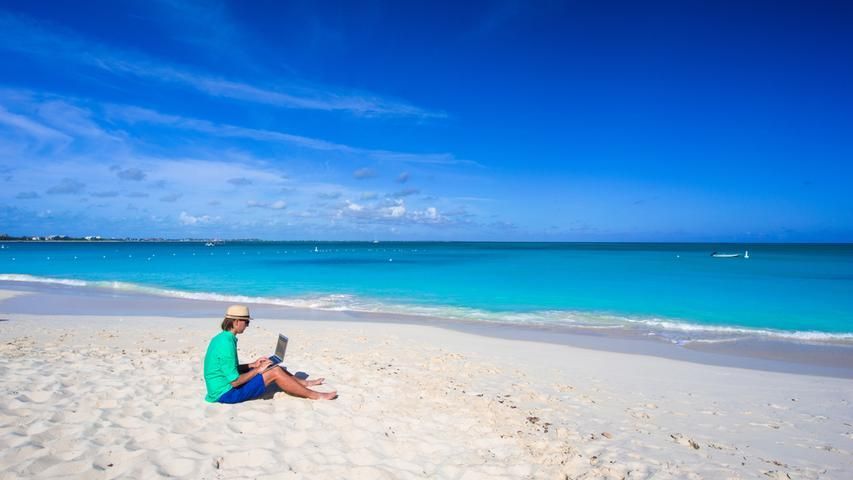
{"points": [[725, 255], [316, 250], [209, 244], [746, 254]]}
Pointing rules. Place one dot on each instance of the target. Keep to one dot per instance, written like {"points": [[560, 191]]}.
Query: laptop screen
{"points": [[281, 346]]}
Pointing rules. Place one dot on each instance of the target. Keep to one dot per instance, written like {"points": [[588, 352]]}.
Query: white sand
{"points": [[113, 397]]}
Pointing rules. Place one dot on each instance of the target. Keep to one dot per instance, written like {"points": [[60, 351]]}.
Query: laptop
{"points": [[280, 348]]}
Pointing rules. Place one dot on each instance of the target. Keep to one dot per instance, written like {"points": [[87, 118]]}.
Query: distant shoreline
{"points": [[451, 242]]}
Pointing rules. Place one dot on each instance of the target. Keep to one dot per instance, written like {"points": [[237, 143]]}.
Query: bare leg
{"points": [[305, 383], [289, 384]]}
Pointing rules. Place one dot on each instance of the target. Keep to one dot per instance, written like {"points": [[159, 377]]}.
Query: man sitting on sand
{"points": [[225, 383]]}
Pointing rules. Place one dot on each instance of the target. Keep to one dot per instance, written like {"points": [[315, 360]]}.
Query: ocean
{"points": [[676, 291]]}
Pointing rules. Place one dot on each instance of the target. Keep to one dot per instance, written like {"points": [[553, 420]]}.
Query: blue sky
{"points": [[570, 121]]}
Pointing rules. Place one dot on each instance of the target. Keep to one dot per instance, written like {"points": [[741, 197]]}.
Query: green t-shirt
{"points": [[220, 365]]}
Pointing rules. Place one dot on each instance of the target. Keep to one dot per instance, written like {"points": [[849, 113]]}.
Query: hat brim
{"points": [[234, 317]]}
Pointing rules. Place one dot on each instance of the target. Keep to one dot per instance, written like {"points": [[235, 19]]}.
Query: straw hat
{"points": [[238, 312]]}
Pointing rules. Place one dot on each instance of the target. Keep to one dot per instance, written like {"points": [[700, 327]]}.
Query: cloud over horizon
{"points": [[112, 151]]}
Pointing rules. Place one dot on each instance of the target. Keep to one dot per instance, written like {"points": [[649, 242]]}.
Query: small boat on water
{"points": [[730, 255]]}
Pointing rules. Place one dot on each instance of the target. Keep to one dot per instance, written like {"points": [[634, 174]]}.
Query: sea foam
{"points": [[677, 331]]}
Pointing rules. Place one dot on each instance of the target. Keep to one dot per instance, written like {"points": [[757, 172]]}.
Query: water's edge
{"points": [[675, 331], [761, 353]]}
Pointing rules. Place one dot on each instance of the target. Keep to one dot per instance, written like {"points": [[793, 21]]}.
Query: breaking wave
{"points": [[676, 331]]}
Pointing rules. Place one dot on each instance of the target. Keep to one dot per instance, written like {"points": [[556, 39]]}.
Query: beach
{"points": [[500, 240], [115, 393]]}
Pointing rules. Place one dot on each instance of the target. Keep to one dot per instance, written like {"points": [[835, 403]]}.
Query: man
{"points": [[225, 383]]}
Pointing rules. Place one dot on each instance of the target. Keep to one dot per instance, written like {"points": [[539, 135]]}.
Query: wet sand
{"points": [[816, 358]]}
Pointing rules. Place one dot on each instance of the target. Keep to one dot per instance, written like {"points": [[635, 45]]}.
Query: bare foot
{"points": [[326, 395], [311, 383]]}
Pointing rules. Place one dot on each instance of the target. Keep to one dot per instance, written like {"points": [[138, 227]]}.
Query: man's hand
{"points": [[263, 363], [257, 363]]}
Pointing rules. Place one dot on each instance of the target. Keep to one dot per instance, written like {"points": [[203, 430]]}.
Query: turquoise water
{"points": [[679, 290]]}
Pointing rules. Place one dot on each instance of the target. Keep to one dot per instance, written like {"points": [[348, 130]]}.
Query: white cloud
{"points": [[397, 210], [49, 42], [429, 215], [187, 219], [133, 114], [71, 119], [277, 205], [32, 128], [165, 179]]}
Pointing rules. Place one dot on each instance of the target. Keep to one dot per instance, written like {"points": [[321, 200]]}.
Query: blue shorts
{"points": [[254, 388]]}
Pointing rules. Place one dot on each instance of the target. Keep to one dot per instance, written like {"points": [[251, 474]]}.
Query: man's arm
{"points": [[245, 377], [250, 372], [245, 367]]}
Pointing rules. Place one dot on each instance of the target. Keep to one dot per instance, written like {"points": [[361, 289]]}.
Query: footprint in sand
{"points": [[638, 414], [775, 474], [35, 397], [682, 440]]}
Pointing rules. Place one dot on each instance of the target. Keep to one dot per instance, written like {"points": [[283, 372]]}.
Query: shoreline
{"points": [[774, 355], [379, 242], [675, 330]]}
